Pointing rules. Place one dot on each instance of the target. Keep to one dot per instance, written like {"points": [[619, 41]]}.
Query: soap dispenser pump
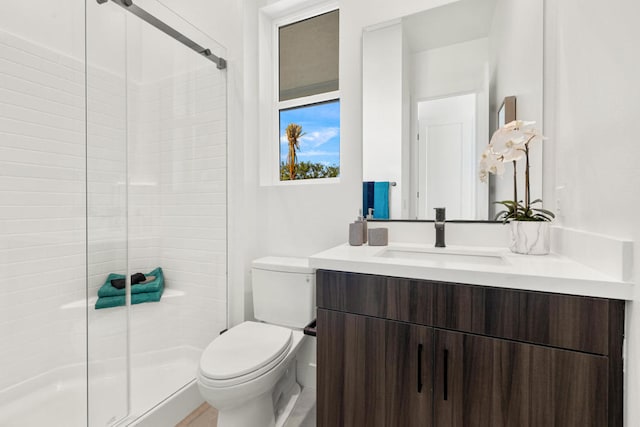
{"points": [[363, 221]]}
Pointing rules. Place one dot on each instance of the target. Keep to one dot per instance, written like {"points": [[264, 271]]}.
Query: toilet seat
{"points": [[243, 353]]}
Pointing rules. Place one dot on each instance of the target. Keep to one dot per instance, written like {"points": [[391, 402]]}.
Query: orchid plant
{"points": [[510, 143]]}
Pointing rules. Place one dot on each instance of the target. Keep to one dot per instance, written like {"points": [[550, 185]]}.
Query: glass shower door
{"points": [[107, 214], [157, 206], [177, 202]]}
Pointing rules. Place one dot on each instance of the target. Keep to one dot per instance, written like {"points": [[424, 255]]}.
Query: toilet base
{"points": [[260, 411], [288, 402], [257, 412], [270, 409]]}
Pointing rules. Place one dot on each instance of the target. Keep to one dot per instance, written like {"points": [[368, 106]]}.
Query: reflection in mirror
{"points": [[506, 114], [446, 153], [433, 83]]}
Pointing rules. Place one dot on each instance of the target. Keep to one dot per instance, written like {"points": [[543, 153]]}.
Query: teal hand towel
{"points": [[107, 290], [381, 200], [107, 302]]}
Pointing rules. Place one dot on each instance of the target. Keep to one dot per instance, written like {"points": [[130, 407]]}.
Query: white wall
{"points": [[58, 25], [455, 69], [591, 93]]}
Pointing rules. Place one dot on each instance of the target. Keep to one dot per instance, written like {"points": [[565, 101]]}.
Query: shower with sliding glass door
{"points": [[113, 209]]}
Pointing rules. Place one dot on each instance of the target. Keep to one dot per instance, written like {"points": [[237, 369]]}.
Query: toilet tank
{"points": [[284, 291]]}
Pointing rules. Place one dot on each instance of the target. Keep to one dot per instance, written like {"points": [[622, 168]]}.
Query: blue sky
{"points": [[321, 127]]}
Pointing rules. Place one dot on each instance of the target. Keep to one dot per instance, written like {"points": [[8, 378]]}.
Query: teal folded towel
{"points": [[381, 200], [107, 302], [108, 290]]}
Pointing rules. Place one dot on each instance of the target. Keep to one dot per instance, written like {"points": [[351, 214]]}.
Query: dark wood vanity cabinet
{"points": [[376, 372], [403, 352], [482, 381]]}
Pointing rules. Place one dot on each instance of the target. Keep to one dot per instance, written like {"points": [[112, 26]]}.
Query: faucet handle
{"points": [[440, 214]]}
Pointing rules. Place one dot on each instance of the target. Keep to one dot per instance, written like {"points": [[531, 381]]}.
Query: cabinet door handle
{"points": [[446, 374], [419, 368]]}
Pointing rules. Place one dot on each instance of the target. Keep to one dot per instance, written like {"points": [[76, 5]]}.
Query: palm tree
{"points": [[294, 132]]}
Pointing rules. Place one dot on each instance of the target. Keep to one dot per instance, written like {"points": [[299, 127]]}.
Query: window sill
{"points": [[298, 182]]}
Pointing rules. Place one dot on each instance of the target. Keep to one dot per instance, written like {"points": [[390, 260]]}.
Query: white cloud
{"points": [[318, 138], [314, 139]]}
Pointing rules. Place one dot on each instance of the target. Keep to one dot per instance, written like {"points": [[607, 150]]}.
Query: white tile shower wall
{"points": [[173, 141], [185, 128], [42, 209], [176, 132], [196, 248], [143, 179], [106, 229], [175, 159]]}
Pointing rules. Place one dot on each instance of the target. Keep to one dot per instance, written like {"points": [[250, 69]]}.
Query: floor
{"points": [[203, 416], [303, 414]]}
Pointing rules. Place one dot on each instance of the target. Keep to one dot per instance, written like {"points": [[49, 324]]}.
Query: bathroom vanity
{"points": [[405, 351]]}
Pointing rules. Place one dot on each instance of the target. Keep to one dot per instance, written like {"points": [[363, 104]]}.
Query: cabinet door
{"points": [[490, 382], [373, 372]]}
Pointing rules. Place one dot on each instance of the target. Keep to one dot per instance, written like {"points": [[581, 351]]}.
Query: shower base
{"points": [[59, 397]]}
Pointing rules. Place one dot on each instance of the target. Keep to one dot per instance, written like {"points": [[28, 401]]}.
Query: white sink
{"points": [[443, 255]]}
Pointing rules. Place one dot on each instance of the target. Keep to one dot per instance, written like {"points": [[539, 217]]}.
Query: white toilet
{"points": [[249, 372]]}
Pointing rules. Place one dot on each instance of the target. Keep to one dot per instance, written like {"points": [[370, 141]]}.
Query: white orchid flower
{"points": [[510, 149], [490, 162], [509, 144], [532, 135], [509, 141], [518, 125], [523, 131]]}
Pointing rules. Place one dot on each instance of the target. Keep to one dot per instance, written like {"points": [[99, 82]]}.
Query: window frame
{"points": [[277, 105]]}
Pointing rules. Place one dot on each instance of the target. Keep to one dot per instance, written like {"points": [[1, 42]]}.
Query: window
{"points": [[308, 104]]}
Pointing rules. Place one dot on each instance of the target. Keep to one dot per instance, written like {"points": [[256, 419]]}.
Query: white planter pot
{"points": [[530, 237]]}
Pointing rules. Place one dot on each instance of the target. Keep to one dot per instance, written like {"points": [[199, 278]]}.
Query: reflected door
{"points": [[446, 144]]}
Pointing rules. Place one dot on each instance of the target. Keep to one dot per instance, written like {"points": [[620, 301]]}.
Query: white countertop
{"points": [[546, 273]]}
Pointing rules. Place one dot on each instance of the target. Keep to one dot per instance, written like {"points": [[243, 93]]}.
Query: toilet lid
{"points": [[243, 349]]}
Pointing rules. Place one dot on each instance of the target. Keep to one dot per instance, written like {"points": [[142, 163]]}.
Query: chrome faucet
{"points": [[439, 224]]}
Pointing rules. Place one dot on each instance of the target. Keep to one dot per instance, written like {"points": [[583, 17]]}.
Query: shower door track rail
{"points": [[221, 63]]}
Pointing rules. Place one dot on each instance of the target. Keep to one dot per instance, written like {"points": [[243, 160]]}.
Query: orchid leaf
{"points": [[546, 212], [506, 202]]}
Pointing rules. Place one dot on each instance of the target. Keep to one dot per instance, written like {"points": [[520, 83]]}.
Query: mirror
{"points": [[433, 83]]}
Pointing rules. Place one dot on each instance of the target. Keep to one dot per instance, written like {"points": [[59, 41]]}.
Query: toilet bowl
{"points": [[249, 373]]}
